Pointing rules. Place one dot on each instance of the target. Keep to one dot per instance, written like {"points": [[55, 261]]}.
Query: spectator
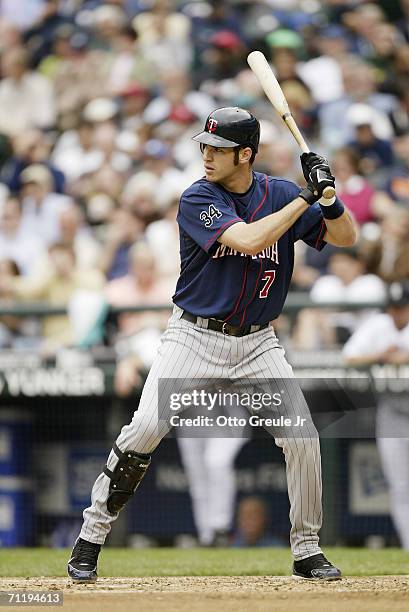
{"points": [[178, 101], [126, 63], [331, 44], [347, 281], [76, 235], [79, 78], [162, 237], [40, 204], [57, 289], [164, 36], [386, 247], [30, 147], [26, 97], [18, 242], [397, 185], [10, 35], [123, 230], [138, 333], [375, 154], [252, 524], [15, 332], [223, 59], [139, 287], [133, 101], [356, 191], [75, 152], [359, 87], [39, 40]]}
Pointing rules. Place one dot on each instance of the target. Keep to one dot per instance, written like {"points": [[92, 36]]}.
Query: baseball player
{"points": [[237, 232], [384, 339]]}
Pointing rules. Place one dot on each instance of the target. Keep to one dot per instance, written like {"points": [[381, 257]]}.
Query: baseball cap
{"points": [[284, 38], [332, 30], [156, 148], [134, 90], [100, 109], [225, 39], [36, 173], [398, 294], [360, 114]]}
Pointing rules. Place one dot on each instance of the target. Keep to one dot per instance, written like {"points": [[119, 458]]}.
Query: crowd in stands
{"points": [[98, 104]]}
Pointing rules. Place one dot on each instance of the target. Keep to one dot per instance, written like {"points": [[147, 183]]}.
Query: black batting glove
{"points": [[320, 179], [311, 160]]}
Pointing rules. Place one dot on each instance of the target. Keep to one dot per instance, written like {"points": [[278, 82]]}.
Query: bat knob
{"points": [[329, 192]]}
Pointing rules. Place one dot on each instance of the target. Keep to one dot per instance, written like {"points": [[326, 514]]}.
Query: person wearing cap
{"points": [[384, 339], [347, 281], [223, 59], [27, 98], [286, 47], [376, 153], [40, 205], [331, 43]]}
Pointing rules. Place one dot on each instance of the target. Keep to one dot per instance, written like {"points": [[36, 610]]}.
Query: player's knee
{"points": [[125, 478]]}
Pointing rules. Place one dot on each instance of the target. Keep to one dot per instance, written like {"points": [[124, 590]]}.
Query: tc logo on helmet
{"points": [[211, 125]]}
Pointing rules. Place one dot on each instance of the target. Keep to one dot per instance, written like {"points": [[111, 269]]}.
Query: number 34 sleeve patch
{"points": [[207, 216], [204, 215]]}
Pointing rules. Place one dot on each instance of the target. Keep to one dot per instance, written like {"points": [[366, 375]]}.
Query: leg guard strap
{"points": [[125, 478]]}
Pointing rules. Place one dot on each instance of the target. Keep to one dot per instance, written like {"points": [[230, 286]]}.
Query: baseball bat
{"points": [[266, 77]]}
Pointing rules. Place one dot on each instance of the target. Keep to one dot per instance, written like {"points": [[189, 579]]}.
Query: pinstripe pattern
{"points": [[189, 351]]}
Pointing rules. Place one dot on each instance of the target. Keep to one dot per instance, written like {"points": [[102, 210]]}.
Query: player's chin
{"points": [[211, 176]]}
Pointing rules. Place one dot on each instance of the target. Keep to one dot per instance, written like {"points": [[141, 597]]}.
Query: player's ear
{"points": [[245, 155]]}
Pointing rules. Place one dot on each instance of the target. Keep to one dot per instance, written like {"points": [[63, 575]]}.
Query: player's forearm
{"points": [[342, 231], [267, 231], [251, 238]]}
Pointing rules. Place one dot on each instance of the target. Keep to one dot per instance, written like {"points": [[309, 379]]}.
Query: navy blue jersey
{"points": [[219, 282]]}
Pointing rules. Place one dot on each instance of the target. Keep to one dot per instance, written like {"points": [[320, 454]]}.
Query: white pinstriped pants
{"points": [[190, 351]]}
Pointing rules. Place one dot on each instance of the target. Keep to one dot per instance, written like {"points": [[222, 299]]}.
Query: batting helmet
{"points": [[230, 127]]}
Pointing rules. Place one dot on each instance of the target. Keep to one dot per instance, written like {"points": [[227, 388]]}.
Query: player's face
{"points": [[219, 163]]}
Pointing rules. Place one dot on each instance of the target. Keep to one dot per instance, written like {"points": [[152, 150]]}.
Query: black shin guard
{"points": [[125, 478]]}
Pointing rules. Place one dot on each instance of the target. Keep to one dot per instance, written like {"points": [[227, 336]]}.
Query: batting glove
{"points": [[320, 178], [311, 160]]}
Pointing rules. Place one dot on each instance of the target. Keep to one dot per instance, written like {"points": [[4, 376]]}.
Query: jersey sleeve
{"points": [[204, 216], [311, 228]]}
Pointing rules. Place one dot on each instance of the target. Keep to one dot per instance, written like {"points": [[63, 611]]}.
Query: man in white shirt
{"points": [[347, 281], [17, 241], [41, 206], [26, 97], [384, 339]]}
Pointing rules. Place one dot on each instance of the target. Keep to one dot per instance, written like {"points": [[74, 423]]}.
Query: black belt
{"points": [[225, 328]]}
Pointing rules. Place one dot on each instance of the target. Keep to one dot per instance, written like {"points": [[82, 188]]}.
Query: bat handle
{"points": [[329, 192]]}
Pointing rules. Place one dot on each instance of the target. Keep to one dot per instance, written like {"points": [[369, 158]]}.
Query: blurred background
{"points": [[98, 104]]}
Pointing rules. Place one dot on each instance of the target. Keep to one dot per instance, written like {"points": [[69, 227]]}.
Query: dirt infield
{"points": [[224, 594]]}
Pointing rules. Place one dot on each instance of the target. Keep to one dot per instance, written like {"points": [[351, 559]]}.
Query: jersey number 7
{"points": [[269, 276]]}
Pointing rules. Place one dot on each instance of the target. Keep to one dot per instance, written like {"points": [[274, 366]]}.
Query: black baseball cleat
{"points": [[316, 567], [82, 567]]}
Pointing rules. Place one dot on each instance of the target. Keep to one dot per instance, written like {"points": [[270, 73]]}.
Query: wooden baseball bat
{"points": [[266, 77]]}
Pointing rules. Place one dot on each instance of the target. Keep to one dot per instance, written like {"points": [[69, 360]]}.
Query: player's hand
{"points": [[311, 160], [320, 178]]}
